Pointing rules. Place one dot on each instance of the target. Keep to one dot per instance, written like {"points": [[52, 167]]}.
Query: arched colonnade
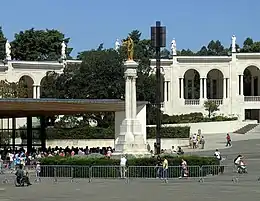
{"points": [[193, 87], [29, 88], [249, 83]]}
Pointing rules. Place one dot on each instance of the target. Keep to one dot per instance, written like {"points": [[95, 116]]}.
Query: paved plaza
{"points": [[213, 188], [152, 190]]}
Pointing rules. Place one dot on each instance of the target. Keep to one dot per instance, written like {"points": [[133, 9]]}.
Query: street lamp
{"points": [[158, 39]]}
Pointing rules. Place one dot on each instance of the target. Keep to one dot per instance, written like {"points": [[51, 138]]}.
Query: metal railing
{"points": [[57, 173]]}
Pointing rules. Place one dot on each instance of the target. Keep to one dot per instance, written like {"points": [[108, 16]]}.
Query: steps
{"points": [[246, 129]]}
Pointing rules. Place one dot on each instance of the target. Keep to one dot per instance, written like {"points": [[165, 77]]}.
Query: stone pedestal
{"points": [[131, 138]]}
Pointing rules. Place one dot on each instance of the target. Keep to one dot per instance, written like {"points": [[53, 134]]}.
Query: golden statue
{"points": [[129, 43]]}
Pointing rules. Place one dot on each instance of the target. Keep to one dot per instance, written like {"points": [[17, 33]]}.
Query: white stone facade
{"points": [[34, 72], [233, 82]]}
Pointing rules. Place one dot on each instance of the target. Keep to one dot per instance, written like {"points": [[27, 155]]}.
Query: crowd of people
{"points": [[197, 141], [10, 159]]}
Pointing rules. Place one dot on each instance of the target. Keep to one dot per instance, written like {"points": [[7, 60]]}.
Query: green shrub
{"points": [[169, 132], [86, 132], [195, 117], [139, 167]]}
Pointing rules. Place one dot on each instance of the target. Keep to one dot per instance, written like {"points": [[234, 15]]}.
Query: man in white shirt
{"points": [[123, 161], [217, 154], [194, 141]]}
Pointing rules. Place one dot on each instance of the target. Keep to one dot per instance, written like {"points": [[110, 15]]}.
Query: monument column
{"points": [[134, 97], [131, 138]]}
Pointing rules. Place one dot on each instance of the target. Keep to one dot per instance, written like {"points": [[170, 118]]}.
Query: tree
{"points": [[184, 52], [2, 44], [99, 76], [211, 107], [38, 45], [49, 85]]}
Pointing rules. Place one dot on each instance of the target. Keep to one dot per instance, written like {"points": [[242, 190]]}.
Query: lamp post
{"points": [[158, 39]]}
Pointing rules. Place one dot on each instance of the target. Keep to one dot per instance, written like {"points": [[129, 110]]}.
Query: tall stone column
{"points": [[205, 87], [133, 105], [34, 91], [181, 88], [131, 138], [201, 88], [38, 96], [242, 85], [224, 88]]}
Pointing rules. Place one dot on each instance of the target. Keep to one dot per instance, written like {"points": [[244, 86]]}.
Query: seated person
{"points": [[180, 151], [20, 175]]}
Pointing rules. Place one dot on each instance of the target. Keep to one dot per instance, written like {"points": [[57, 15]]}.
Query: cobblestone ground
{"points": [[213, 188]]}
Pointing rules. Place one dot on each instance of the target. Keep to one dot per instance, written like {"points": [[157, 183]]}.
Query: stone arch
{"points": [[25, 87], [45, 83], [31, 76], [215, 79], [251, 76], [191, 84]]}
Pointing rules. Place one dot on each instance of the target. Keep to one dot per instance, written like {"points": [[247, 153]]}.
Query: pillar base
{"points": [[130, 139]]}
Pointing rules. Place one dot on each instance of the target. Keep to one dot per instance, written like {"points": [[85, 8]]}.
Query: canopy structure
{"points": [[18, 107]]}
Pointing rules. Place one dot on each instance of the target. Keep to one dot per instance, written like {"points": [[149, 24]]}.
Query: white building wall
{"points": [[231, 67]]}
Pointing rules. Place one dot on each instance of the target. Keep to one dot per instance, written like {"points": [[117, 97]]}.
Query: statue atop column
{"points": [[8, 51], [233, 44], [63, 50], [129, 43], [173, 47], [117, 45]]}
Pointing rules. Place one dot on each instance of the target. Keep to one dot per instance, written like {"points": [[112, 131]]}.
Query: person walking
{"points": [[123, 161], [165, 169], [202, 142], [228, 138]]}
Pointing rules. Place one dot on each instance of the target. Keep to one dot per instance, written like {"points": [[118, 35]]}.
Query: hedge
{"points": [[195, 117], [82, 167], [86, 132], [169, 132]]}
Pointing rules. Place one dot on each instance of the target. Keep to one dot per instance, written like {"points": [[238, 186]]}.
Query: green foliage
{"points": [[38, 45], [73, 166], [183, 118], [85, 132], [211, 107], [2, 44], [89, 161], [169, 132]]}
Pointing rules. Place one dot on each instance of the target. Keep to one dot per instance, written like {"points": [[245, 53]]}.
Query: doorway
{"points": [[252, 114]]}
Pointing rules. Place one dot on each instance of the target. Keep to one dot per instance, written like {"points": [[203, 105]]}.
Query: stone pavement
{"points": [[218, 141], [139, 190], [213, 188]]}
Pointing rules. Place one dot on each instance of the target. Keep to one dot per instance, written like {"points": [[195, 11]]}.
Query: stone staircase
{"points": [[246, 129]]}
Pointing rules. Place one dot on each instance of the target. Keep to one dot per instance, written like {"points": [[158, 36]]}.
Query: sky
{"points": [[193, 23]]}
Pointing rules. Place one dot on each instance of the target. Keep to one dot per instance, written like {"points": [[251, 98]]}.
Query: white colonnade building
{"points": [[233, 82]]}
